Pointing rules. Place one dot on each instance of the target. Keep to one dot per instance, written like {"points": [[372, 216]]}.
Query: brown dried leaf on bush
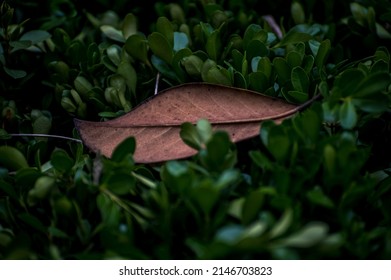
{"points": [[155, 124]]}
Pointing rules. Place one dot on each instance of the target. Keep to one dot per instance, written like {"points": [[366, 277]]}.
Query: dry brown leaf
{"points": [[155, 124]]}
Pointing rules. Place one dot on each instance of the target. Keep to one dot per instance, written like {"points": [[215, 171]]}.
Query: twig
{"points": [[273, 25], [157, 83], [44, 135]]}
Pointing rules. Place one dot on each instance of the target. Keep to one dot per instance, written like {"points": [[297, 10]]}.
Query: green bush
{"points": [[315, 186]]}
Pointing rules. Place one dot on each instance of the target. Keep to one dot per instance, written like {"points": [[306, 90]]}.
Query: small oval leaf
{"points": [[136, 46], [161, 47], [12, 158]]}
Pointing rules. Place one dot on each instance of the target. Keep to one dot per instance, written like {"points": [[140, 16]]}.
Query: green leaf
{"points": [[308, 64], [382, 53], [265, 66], [293, 96], [237, 58], [59, 72], [42, 188], [12, 158], [82, 86], [119, 183], [4, 134], [190, 136], [8, 189], [254, 63], [176, 177], [322, 54], [163, 68], [108, 115], [16, 74], [61, 39], [114, 54], [213, 45], [63, 205], [27, 176], [297, 13], [261, 160], [271, 91], [110, 212], [227, 179], [33, 221], [330, 157], [218, 151], [41, 121], [300, 48], [96, 98], [372, 84], [204, 130], [61, 161], [206, 28], [348, 115], [193, 65], [283, 70], [293, 37], [219, 76], [252, 206], [117, 82], [258, 82], [161, 47], [324, 89], [308, 236], [294, 59], [254, 230], [382, 32], [317, 197], [380, 66], [181, 41], [359, 12], [206, 196], [127, 71], [176, 63], [165, 28], [256, 48], [129, 26], [35, 36], [20, 45], [229, 234], [239, 80], [244, 68], [300, 80], [307, 125], [376, 103], [314, 46], [347, 82], [55, 232], [136, 46], [282, 225], [176, 168], [124, 149], [278, 143], [93, 55], [254, 32], [112, 33], [235, 208]]}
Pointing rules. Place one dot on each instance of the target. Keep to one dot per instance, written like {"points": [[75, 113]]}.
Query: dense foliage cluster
{"points": [[316, 186]]}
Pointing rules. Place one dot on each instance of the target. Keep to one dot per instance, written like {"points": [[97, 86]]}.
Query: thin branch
{"points": [[157, 83], [44, 135], [273, 25]]}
